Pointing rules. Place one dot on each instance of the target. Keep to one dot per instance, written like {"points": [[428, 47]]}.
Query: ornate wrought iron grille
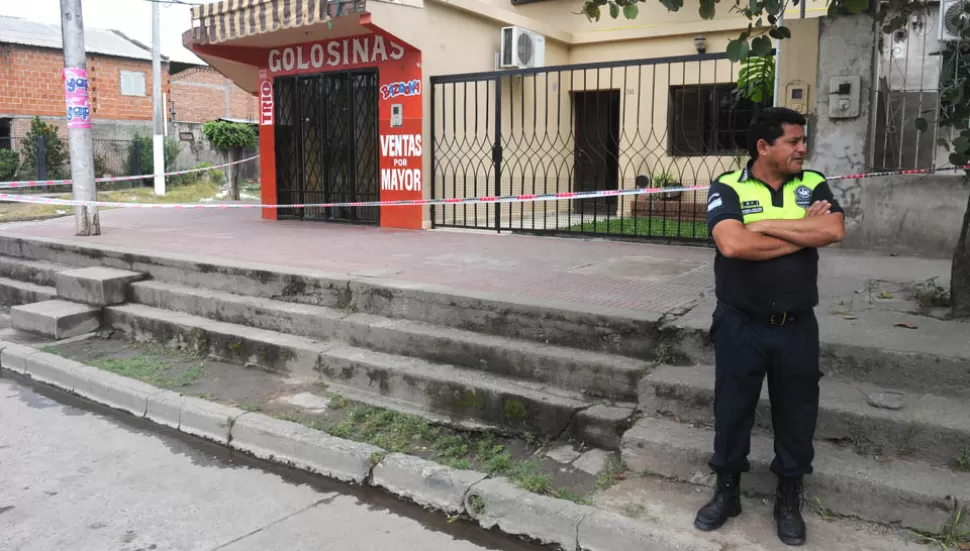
{"points": [[664, 122], [326, 145]]}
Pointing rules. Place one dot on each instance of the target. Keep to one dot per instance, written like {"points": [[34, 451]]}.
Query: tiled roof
{"points": [[14, 30]]}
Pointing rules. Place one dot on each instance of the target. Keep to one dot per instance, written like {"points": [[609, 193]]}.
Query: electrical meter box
{"points": [[844, 94], [796, 97]]}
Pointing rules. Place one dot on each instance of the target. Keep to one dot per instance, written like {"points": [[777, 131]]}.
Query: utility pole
{"points": [[158, 143], [78, 103]]}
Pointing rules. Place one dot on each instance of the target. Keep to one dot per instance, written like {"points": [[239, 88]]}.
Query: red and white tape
{"points": [[523, 198], [45, 183]]}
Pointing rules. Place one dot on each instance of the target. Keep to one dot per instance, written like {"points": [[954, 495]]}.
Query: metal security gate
{"points": [[327, 145], [664, 122]]}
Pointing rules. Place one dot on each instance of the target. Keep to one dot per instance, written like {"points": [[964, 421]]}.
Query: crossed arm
{"points": [[767, 239]]}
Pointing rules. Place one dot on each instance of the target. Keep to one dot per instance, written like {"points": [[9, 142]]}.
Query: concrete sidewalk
{"points": [[863, 296]]}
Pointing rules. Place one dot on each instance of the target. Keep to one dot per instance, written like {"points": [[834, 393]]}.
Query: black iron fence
{"points": [[48, 158], [669, 122]]}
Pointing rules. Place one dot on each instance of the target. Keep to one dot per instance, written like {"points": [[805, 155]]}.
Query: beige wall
{"points": [[653, 20], [537, 109]]}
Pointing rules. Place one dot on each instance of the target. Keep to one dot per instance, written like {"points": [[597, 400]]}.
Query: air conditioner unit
{"points": [[954, 17], [522, 48]]}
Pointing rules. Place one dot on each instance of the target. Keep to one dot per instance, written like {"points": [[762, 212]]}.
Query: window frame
{"points": [[711, 96], [144, 83]]}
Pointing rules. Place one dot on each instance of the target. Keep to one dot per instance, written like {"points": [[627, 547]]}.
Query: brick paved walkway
{"points": [[639, 276]]}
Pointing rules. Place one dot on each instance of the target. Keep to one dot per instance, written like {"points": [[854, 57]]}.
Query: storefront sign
{"points": [[404, 153], [265, 99], [400, 114], [340, 53], [77, 98]]}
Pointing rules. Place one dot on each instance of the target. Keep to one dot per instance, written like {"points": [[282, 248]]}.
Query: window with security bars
{"points": [[706, 120]]}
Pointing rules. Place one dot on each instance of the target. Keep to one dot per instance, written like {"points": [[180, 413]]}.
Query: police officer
{"points": [[768, 221]]}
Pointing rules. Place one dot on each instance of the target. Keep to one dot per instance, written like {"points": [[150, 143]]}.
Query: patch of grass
{"points": [[289, 416], [643, 226], [477, 504], [190, 193], [962, 461], [337, 402], [398, 432], [954, 534], [820, 510], [614, 472], [251, 408], [930, 295], [634, 510], [567, 494], [149, 364]]}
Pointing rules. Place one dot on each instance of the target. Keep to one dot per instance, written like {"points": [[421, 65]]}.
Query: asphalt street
{"points": [[76, 476]]}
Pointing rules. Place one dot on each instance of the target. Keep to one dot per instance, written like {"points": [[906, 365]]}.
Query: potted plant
{"points": [[666, 180]]}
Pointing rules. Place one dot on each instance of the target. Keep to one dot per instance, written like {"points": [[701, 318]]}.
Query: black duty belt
{"points": [[778, 319]]}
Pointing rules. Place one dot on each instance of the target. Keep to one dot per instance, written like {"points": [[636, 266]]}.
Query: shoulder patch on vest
{"points": [[812, 177], [722, 175]]}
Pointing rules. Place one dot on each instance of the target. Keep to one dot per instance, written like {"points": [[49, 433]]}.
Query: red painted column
{"points": [[267, 144], [401, 140]]}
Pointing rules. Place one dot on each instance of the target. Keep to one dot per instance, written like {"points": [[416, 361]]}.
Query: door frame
{"points": [[358, 187], [602, 206]]}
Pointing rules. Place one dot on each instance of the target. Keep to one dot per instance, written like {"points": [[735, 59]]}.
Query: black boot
{"points": [[725, 504], [788, 511]]}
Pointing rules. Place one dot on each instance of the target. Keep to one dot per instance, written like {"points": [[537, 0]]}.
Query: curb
{"points": [[491, 502]]}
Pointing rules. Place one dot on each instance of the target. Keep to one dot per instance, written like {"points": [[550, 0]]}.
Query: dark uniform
{"points": [[764, 324]]}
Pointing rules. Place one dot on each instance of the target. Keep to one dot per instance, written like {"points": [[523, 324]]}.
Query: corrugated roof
{"points": [[14, 30]]}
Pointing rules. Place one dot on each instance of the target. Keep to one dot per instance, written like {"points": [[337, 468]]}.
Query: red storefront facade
{"points": [[341, 120]]}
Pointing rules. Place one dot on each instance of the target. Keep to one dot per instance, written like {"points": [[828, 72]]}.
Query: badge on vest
{"points": [[751, 207], [803, 196]]}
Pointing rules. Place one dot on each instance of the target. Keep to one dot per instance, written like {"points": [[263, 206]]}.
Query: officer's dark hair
{"points": [[766, 125]]}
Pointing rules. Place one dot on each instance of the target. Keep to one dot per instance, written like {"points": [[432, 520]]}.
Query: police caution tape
{"points": [[43, 183], [523, 198]]}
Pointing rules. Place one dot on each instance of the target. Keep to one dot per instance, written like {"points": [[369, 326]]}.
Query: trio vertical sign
{"points": [[265, 99]]}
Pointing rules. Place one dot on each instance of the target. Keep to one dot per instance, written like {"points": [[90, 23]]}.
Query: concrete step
{"points": [[584, 327], [258, 348], [914, 495], [925, 427], [593, 373], [56, 319], [459, 393], [14, 292], [931, 359], [30, 271], [463, 396]]}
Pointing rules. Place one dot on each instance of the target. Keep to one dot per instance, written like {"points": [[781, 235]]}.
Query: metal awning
{"points": [[230, 20]]}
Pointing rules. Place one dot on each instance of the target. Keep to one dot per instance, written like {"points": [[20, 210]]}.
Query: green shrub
{"points": [[9, 163], [55, 151], [170, 152]]}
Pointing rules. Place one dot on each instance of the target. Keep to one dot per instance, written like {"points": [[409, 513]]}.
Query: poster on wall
{"points": [[77, 98]]}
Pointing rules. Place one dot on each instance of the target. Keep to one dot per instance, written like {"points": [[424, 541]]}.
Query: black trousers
{"points": [[748, 347]]}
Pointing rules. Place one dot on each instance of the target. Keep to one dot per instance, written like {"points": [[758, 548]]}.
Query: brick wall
{"points": [[199, 95], [30, 84]]}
